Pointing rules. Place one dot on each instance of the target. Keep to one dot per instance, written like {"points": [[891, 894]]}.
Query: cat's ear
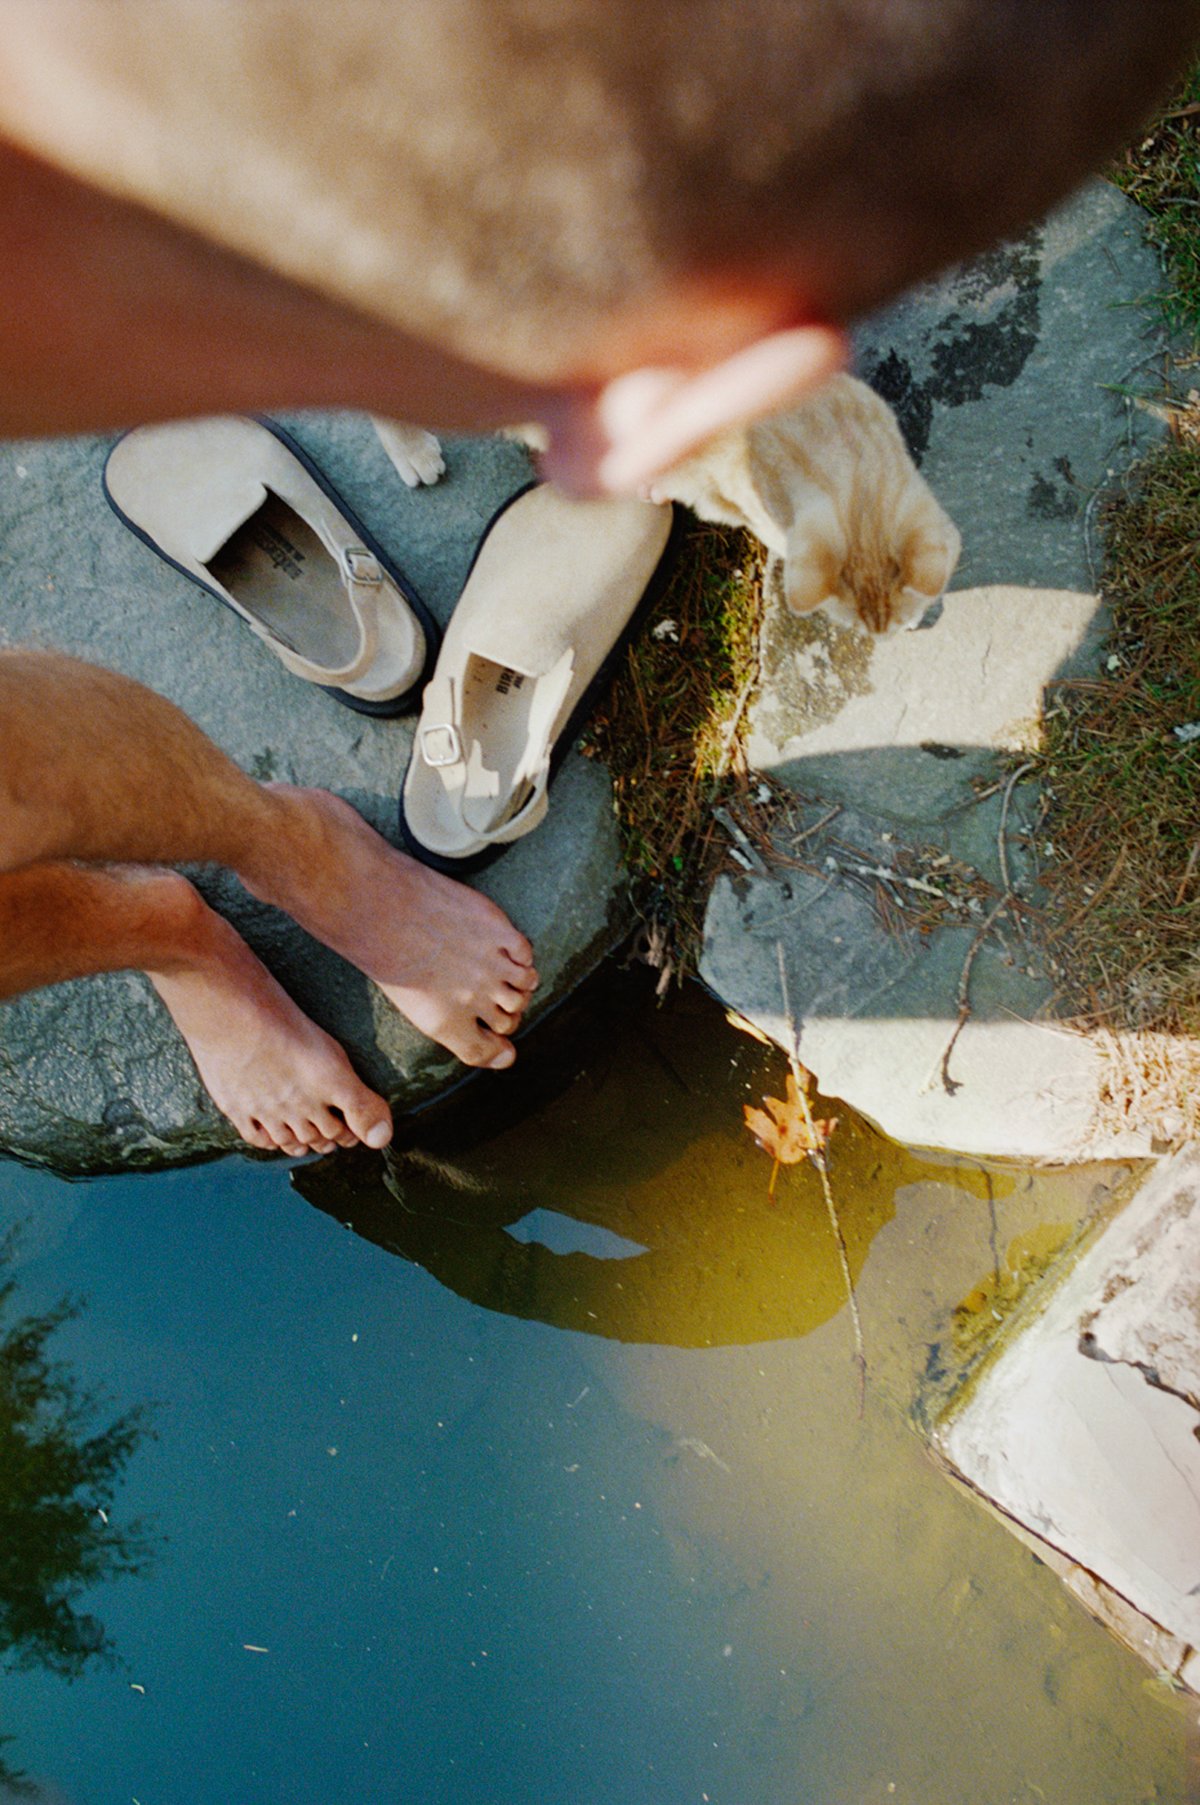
{"points": [[646, 420], [931, 555]]}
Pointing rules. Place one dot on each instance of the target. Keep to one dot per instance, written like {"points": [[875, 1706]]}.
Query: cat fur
{"points": [[830, 489]]}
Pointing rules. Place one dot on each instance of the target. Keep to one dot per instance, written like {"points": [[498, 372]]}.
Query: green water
{"points": [[544, 1482]]}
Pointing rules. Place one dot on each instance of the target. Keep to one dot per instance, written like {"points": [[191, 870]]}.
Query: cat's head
{"points": [[881, 583]]}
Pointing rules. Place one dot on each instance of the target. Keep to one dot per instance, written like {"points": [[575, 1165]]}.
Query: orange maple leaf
{"points": [[785, 1128]]}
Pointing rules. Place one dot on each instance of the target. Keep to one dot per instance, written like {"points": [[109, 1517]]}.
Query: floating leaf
{"points": [[785, 1128], [745, 1026]]}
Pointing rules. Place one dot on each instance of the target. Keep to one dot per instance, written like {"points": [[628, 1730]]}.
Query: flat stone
{"points": [[1083, 1428], [919, 723], [93, 1075], [904, 755], [1148, 1315], [1010, 376]]}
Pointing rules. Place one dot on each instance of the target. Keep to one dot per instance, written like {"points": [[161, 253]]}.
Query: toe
{"points": [[515, 1001], [501, 1018], [333, 1127], [524, 980], [256, 1135], [481, 1047], [367, 1117], [330, 1124], [519, 950]]}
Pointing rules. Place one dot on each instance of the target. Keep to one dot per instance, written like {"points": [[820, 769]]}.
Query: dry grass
{"points": [[1123, 774], [670, 731], [1120, 770], [1150, 1081], [1161, 171]]}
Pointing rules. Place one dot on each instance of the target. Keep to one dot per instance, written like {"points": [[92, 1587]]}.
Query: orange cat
{"points": [[831, 490]]}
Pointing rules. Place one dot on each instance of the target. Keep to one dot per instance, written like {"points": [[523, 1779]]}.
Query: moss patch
{"points": [[671, 732]]}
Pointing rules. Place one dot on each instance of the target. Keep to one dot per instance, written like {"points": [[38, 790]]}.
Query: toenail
{"points": [[380, 1135]]}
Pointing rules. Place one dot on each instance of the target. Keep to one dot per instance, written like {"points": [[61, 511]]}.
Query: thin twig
{"points": [[1089, 540], [963, 996], [952, 1085], [735, 721], [742, 839], [1098, 895], [799, 1077], [641, 702], [1014, 780], [816, 827], [1193, 855]]}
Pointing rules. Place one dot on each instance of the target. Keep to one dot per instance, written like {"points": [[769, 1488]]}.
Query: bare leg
{"points": [[97, 768], [283, 1083]]}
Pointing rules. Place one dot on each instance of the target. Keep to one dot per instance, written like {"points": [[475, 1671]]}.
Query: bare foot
{"points": [[446, 956], [281, 1080]]}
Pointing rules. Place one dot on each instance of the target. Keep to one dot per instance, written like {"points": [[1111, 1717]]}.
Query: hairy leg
{"points": [[95, 767], [282, 1082]]}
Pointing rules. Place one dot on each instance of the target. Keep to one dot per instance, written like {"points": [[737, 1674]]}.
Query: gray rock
{"points": [[1003, 375], [1010, 377], [92, 1074], [1083, 1428]]}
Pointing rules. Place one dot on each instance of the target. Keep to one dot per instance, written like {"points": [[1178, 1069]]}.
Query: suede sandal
{"points": [[238, 507], [553, 596]]}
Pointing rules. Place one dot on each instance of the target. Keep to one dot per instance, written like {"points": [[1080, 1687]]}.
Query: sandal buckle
{"points": [[360, 565], [441, 745]]}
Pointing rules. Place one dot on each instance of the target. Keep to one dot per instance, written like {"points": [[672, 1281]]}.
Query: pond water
{"points": [[533, 1474]]}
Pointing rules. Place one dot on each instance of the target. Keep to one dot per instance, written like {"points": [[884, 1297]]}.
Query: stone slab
{"points": [[874, 1015], [1148, 1316], [92, 1074], [1074, 1435], [902, 726], [1010, 377], [1004, 376]]}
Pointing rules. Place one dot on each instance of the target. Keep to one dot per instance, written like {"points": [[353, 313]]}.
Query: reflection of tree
{"points": [[58, 1472]]}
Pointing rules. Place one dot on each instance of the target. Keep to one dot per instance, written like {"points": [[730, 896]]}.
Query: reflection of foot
{"points": [[283, 1083], [446, 956]]}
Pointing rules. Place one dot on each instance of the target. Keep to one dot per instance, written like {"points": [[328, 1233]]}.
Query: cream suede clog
{"points": [[548, 605], [237, 506]]}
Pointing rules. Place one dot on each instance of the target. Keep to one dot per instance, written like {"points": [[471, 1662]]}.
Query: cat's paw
{"points": [[416, 454], [530, 433]]}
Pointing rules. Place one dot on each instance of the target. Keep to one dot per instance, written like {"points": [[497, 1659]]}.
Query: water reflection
{"points": [[58, 1473], [618, 1154]]}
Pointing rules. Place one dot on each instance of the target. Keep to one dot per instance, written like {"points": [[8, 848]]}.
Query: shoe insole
{"points": [[279, 571], [496, 707]]}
